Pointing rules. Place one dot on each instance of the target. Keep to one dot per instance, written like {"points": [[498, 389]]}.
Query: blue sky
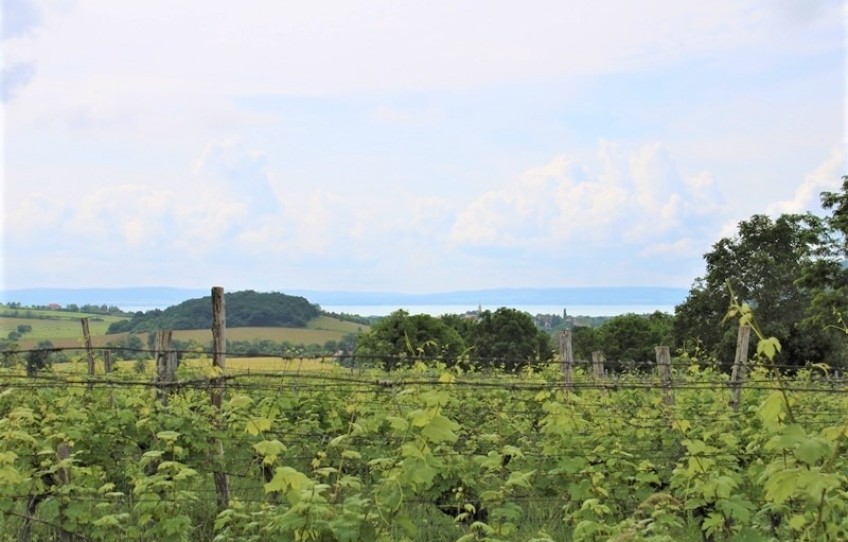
{"points": [[407, 146]]}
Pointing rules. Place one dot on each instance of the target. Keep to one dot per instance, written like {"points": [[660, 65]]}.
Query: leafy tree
{"points": [[632, 337], [584, 341], [763, 262], [462, 324], [129, 348], [828, 275], [401, 337], [121, 326], [509, 339], [39, 358]]}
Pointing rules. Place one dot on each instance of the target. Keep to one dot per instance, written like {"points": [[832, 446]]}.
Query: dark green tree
{"points": [[827, 276], [631, 338], [584, 341], [39, 358], [763, 263], [400, 338], [508, 339]]}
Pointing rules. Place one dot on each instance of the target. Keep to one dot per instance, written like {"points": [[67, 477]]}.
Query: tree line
{"points": [[792, 270], [505, 339]]}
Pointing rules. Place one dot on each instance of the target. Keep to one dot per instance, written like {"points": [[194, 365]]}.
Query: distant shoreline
{"points": [[438, 310], [146, 298]]}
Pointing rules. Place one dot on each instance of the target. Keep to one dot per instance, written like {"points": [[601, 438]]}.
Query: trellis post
{"points": [[166, 366], [664, 370], [86, 333], [598, 365], [740, 364], [219, 361], [567, 357]]}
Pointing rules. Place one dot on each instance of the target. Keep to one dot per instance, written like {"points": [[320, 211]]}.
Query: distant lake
{"points": [[438, 310]]}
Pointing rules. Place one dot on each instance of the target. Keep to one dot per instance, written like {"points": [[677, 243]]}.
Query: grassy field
{"points": [[60, 327], [64, 330]]}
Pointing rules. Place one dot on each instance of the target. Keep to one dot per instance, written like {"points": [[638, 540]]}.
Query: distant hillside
{"points": [[244, 309], [128, 299]]}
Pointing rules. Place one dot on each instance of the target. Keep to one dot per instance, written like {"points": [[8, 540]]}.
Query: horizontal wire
{"points": [[410, 359]]}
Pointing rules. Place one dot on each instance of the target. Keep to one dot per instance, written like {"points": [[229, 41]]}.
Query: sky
{"points": [[407, 146]]}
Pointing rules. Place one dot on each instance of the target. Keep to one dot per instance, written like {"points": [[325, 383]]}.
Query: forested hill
{"points": [[244, 309]]}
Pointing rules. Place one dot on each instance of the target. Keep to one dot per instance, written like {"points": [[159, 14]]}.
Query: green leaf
{"points": [[520, 479], [768, 347], [286, 478], [269, 450], [398, 424], [797, 522], [772, 409], [255, 426], [420, 418], [440, 429], [240, 401], [789, 437], [781, 485], [812, 450], [694, 446]]}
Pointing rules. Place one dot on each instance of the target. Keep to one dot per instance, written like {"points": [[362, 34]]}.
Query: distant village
{"points": [[551, 322]]}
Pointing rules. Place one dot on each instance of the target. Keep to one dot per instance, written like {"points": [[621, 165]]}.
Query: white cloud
{"points": [[826, 176], [637, 198], [126, 215]]}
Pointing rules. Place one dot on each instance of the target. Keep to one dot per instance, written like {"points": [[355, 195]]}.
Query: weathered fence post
{"points": [[53, 481], [740, 364], [63, 478], [598, 365], [107, 361], [567, 357], [166, 367], [664, 370], [88, 348], [219, 361]]}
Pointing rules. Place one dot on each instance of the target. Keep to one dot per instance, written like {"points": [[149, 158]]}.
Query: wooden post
{"points": [[740, 364], [63, 478], [664, 370], [88, 348], [165, 370], [598, 365], [219, 361], [567, 357], [107, 361]]}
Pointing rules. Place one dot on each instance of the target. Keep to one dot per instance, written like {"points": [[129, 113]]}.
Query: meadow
{"points": [[64, 330]]}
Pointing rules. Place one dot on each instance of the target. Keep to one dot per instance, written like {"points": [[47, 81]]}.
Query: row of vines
{"points": [[425, 454]]}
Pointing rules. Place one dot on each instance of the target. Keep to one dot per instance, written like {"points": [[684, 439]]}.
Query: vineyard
{"points": [[423, 453]]}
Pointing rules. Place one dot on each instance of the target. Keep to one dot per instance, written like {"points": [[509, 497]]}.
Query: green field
{"points": [[64, 329]]}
